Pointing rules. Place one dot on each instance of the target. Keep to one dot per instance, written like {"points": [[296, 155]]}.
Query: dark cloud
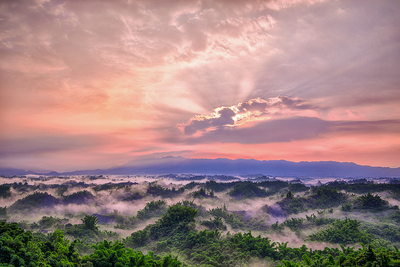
{"points": [[244, 112], [363, 127], [252, 106], [285, 130], [291, 129], [293, 103], [224, 117]]}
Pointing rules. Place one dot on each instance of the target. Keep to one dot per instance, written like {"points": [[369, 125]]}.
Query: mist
{"points": [[127, 204]]}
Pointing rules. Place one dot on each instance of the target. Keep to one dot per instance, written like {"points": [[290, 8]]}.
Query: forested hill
{"points": [[168, 165]]}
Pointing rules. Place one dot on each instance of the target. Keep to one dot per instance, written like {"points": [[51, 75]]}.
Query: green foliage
{"points": [[208, 248], [61, 190], [202, 193], [234, 219], [294, 223], [162, 246], [383, 231], [24, 187], [81, 231], [191, 185], [346, 207], [342, 232], [297, 224], [215, 223], [174, 225], [48, 222], [293, 205], [157, 190], [20, 248], [133, 196], [108, 186], [200, 209], [317, 221], [152, 209], [366, 256], [325, 197], [175, 233], [108, 254], [247, 190], [90, 222], [175, 221], [297, 187], [177, 214], [32, 202], [137, 239], [78, 197], [123, 221], [395, 217], [5, 191], [366, 187], [370, 201], [219, 187], [238, 220], [3, 213], [321, 198], [274, 185]]}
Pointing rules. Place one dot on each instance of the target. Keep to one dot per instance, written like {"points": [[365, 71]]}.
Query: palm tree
{"points": [[90, 222]]}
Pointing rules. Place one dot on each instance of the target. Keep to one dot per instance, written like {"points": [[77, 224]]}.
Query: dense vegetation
{"points": [[152, 209], [20, 248], [5, 191], [370, 201], [32, 202], [321, 197], [78, 197], [213, 224], [219, 187], [197, 231], [247, 190], [342, 232], [157, 190], [202, 193], [364, 186], [3, 213]]}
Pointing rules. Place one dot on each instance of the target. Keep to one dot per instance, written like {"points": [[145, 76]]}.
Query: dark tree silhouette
{"points": [[90, 222]]}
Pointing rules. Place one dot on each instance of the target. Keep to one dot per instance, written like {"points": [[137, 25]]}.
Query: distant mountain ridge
{"points": [[177, 165]]}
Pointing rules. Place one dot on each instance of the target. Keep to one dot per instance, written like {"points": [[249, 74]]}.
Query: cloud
{"points": [[35, 145], [294, 128], [278, 119], [252, 110], [278, 130], [220, 118]]}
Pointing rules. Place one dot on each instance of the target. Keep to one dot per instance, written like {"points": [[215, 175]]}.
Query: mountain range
{"points": [[181, 165]]}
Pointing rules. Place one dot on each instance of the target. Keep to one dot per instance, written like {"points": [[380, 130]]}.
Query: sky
{"points": [[95, 84]]}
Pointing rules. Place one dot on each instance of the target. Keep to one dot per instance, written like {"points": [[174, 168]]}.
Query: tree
{"points": [[3, 213], [137, 239], [90, 222]]}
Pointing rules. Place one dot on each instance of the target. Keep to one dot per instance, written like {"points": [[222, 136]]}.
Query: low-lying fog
{"points": [[74, 197]]}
